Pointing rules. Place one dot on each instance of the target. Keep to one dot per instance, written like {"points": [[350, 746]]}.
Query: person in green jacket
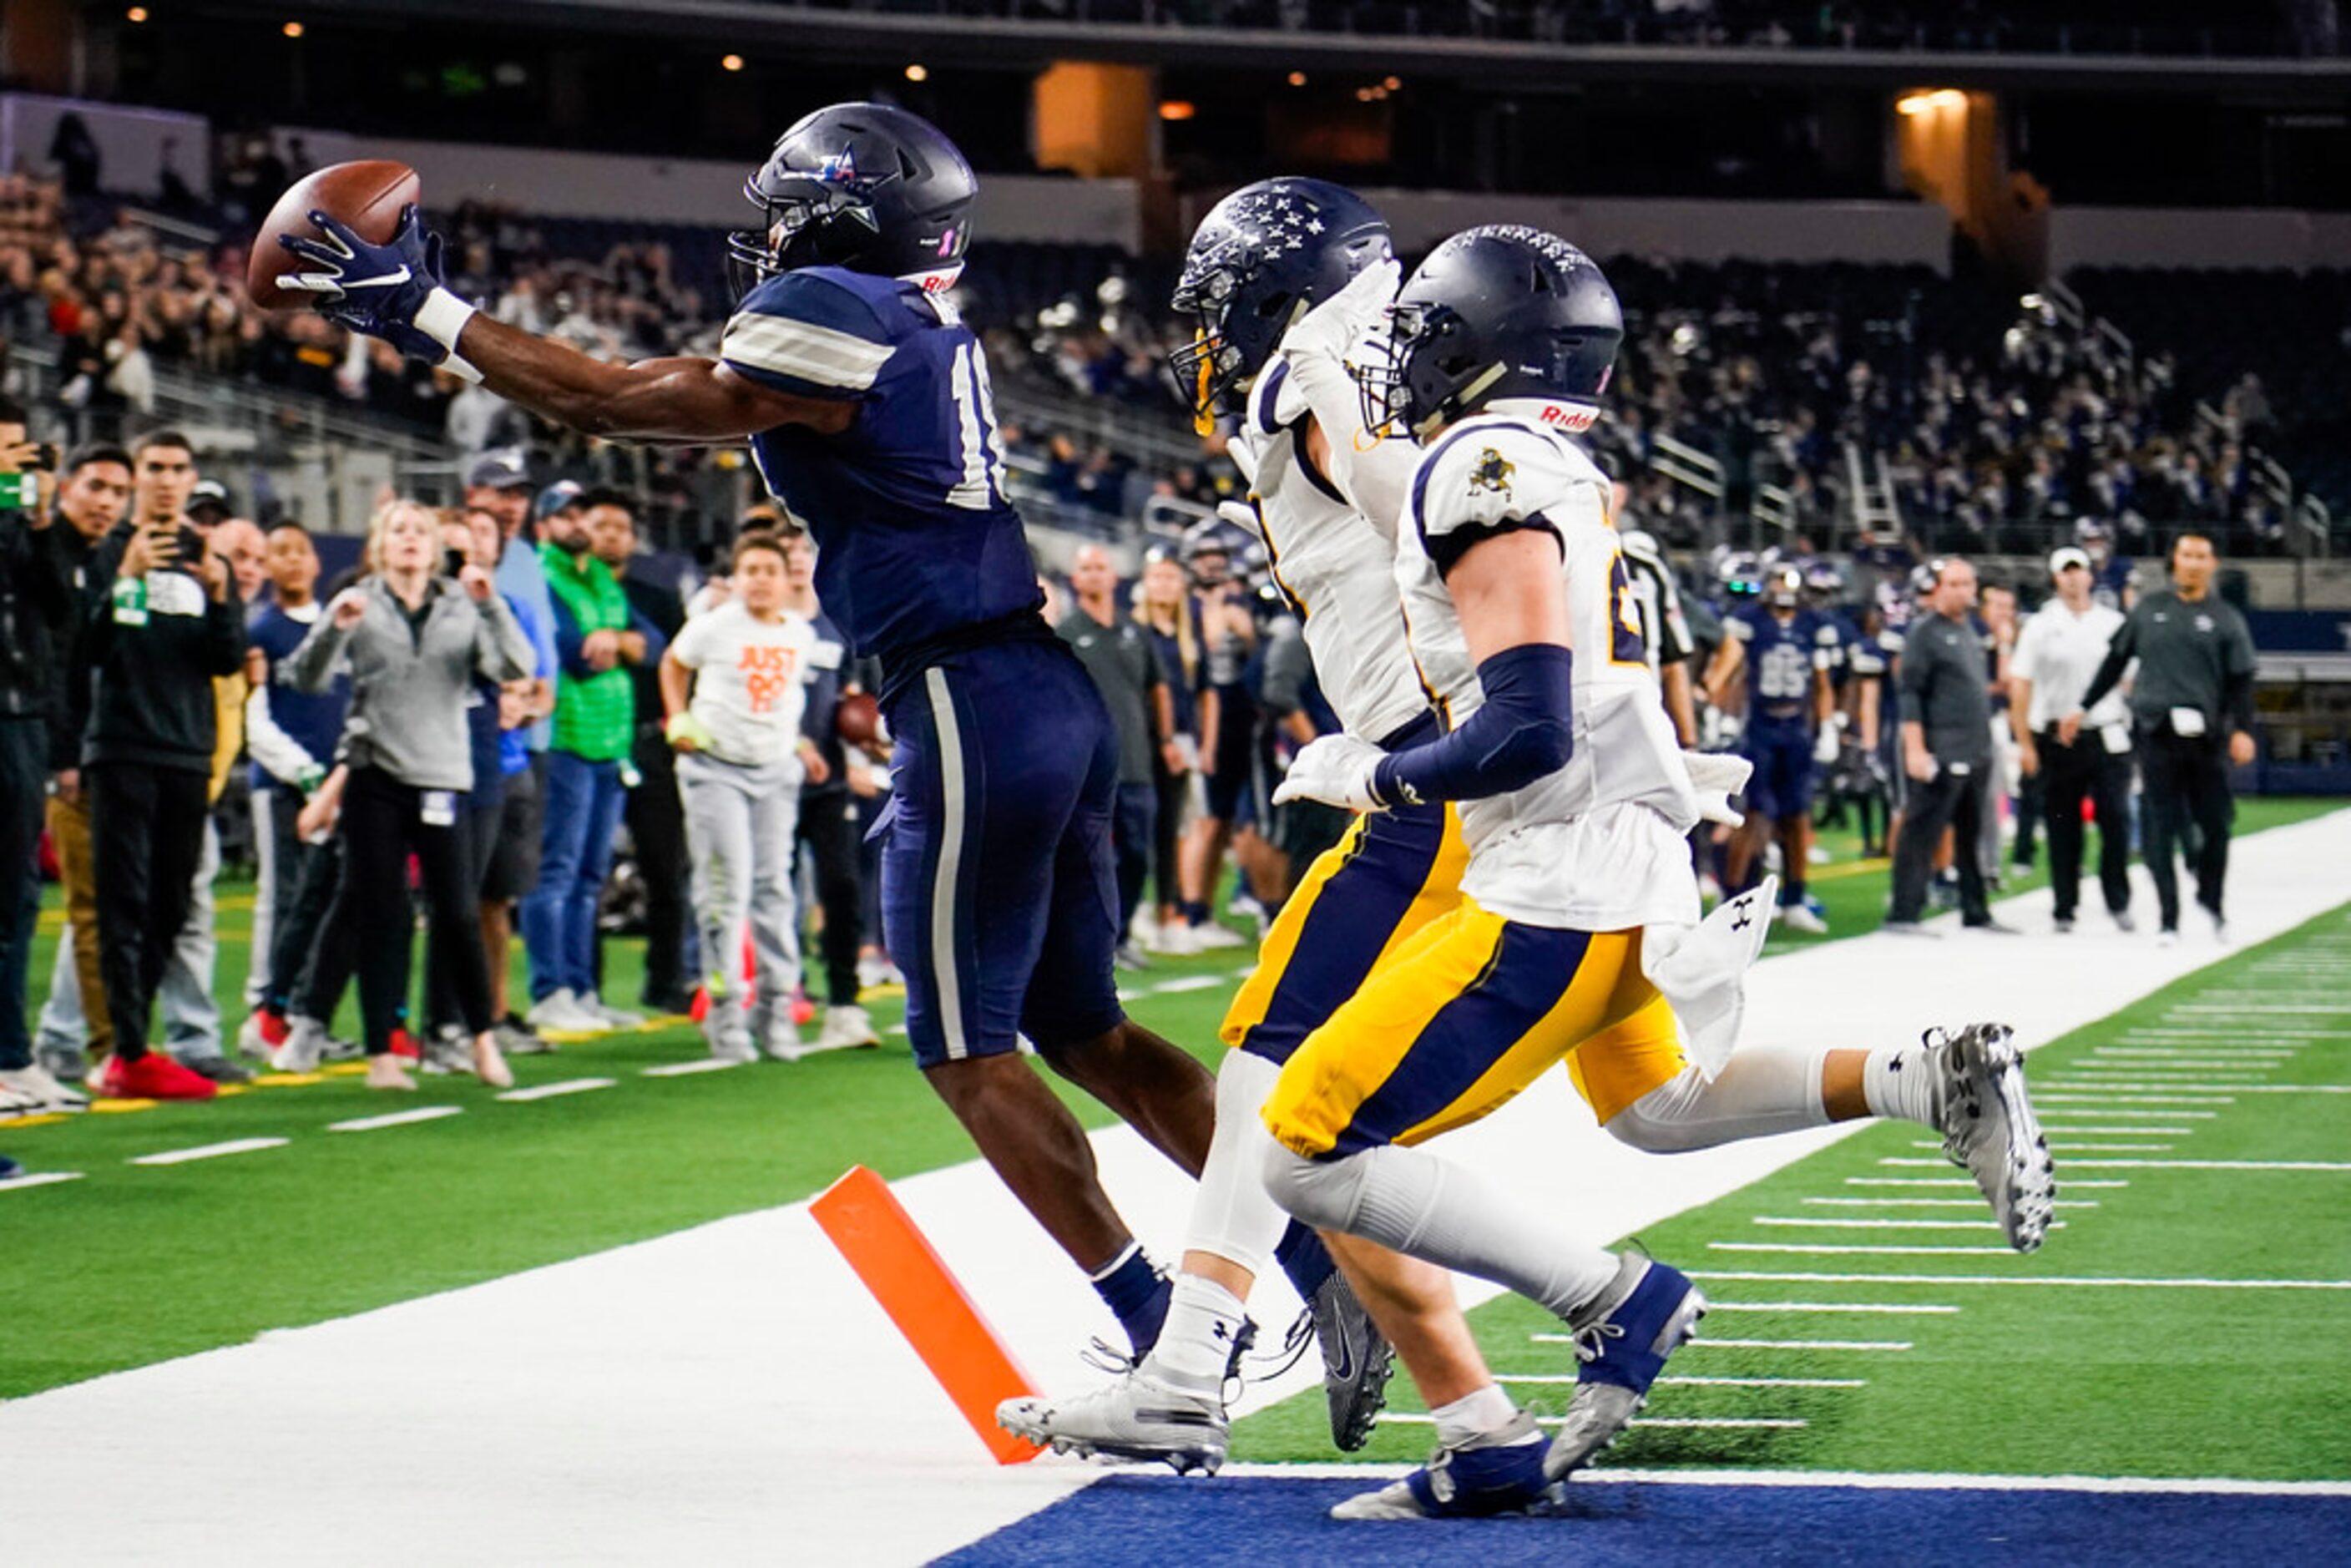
{"points": [[597, 641]]}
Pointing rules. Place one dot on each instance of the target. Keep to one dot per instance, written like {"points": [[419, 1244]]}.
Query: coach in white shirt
{"points": [[2056, 655]]}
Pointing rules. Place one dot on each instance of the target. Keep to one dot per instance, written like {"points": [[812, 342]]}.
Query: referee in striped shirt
{"points": [[1665, 630]]}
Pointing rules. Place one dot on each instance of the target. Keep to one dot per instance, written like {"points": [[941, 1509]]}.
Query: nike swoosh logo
{"points": [[1345, 1367], [388, 280]]}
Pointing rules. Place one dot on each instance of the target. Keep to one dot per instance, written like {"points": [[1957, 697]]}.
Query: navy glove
{"points": [[392, 291]]}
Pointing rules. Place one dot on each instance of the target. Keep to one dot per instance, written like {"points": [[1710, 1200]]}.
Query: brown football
{"points": [[857, 720], [368, 195]]}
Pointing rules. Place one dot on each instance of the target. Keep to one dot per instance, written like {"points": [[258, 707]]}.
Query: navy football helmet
{"points": [[1823, 584], [1497, 313], [1783, 588], [860, 185], [1260, 259]]}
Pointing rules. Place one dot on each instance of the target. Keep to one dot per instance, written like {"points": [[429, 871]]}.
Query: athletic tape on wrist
{"points": [[441, 318]]}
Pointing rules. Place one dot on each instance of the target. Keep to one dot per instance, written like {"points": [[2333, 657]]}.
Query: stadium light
{"points": [[1297, 79], [730, 63], [136, 13], [292, 29], [1394, 84], [1929, 101], [918, 72], [1178, 109]]}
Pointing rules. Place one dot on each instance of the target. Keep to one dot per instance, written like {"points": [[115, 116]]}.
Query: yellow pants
{"points": [[1466, 1013]]}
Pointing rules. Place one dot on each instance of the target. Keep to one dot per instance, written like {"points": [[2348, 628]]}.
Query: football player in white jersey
{"points": [[1578, 917]]}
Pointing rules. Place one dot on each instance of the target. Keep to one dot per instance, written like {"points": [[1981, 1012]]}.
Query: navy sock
{"points": [[1195, 912], [1137, 1293], [1304, 1259]]}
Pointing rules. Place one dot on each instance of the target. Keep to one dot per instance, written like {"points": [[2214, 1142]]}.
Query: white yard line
{"points": [[552, 1090], [1826, 1247], [396, 1119], [38, 1178], [1871, 1309], [1927, 1202], [684, 1069], [2070, 1281], [1810, 1222], [209, 1151]]}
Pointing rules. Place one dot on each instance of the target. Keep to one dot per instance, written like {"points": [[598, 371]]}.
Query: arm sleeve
{"points": [[280, 755], [806, 335], [224, 631], [656, 645], [1374, 473], [502, 650], [2117, 659], [1525, 730], [312, 666]]}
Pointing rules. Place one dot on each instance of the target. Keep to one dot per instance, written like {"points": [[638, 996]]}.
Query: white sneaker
{"points": [[1212, 935], [845, 1028], [2219, 927], [15, 1102], [1136, 1418], [306, 1042], [611, 1017], [560, 1009], [1796, 917], [734, 1045], [1989, 1128], [872, 972], [38, 1086], [1173, 940], [249, 1038]]}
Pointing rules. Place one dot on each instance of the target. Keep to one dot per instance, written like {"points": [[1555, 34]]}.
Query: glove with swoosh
{"points": [[1333, 769], [392, 291]]}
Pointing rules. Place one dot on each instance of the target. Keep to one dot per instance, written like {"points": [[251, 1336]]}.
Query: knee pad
{"points": [[1319, 1192]]}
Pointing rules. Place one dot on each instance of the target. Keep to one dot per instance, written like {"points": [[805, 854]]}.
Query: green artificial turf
{"points": [[131, 1265], [2049, 1380]]}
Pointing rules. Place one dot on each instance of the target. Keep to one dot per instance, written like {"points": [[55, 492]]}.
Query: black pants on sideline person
{"points": [[477, 836], [24, 806], [383, 824], [828, 827], [1949, 799], [2069, 775], [2185, 780], [324, 969], [1167, 835], [148, 835], [656, 820]]}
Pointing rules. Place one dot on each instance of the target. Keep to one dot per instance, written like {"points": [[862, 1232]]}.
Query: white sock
{"points": [[1196, 1344], [1899, 1083], [1473, 1415]]}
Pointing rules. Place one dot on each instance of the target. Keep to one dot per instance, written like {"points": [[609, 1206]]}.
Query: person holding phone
{"points": [[160, 618], [414, 641]]}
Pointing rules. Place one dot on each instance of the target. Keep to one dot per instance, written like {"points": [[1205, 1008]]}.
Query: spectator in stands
{"points": [[499, 483], [2192, 701], [734, 688], [415, 642], [1165, 610], [36, 598], [95, 492], [2057, 652], [656, 819], [1125, 669], [829, 815], [161, 621], [587, 778], [1945, 745], [292, 735]]}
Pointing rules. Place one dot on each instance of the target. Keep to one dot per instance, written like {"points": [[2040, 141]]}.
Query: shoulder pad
{"points": [[807, 333]]}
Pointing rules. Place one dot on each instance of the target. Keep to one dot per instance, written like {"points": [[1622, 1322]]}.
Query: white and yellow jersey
{"points": [[1598, 845], [1334, 564]]}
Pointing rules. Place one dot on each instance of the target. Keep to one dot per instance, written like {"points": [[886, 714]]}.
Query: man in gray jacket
{"points": [[1945, 744]]}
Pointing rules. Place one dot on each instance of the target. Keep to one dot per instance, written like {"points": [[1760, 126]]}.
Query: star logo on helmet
{"points": [[839, 168]]}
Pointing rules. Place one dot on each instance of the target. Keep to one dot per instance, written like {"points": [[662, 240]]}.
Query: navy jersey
{"points": [[1840, 647], [1780, 659], [915, 541]]}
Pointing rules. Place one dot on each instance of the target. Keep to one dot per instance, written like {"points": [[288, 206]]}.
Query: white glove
{"points": [[1333, 327], [1824, 747], [1717, 775], [1333, 769]]}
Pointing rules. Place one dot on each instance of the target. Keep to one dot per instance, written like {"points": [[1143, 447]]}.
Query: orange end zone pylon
{"points": [[879, 1240]]}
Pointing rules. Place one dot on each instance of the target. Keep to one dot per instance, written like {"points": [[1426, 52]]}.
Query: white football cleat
{"points": [[1796, 917], [845, 1028], [1136, 1418], [1989, 1128], [560, 1010]]}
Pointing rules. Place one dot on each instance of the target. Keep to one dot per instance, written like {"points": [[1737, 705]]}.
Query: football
{"points": [[857, 720], [368, 195]]}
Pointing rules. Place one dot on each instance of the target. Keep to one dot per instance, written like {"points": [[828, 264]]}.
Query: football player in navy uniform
{"points": [[1784, 648], [866, 403]]}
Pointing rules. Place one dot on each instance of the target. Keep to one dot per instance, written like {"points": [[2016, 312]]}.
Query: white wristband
{"points": [[441, 318]]}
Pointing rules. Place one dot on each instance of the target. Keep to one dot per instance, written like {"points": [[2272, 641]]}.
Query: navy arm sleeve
{"points": [[1524, 730]]}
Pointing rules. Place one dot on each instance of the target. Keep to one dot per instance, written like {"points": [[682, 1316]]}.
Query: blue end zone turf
{"points": [[1163, 1520]]}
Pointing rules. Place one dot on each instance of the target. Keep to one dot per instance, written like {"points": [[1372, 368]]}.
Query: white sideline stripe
{"points": [[549, 1091], [2063, 1099], [209, 1151], [1842, 1224], [2068, 1281], [1713, 1343], [2270, 1053], [1409, 1418], [2148, 1115], [1928, 1202], [1891, 1309], [2219, 1164], [396, 1119], [44, 1178], [1187, 983], [2094, 1148], [2052, 1127], [1856, 1481], [1826, 1247], [2189, 1010], [1558, 1377], [680, 1069]]}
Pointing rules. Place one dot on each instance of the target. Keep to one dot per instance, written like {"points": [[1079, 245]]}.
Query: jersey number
{"points": [[1627, 645], [976, 440], [1783, 673]]}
